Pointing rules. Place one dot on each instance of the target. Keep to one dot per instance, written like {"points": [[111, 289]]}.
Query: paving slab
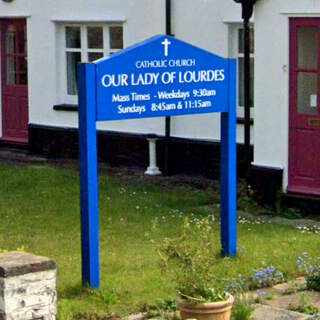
{"points": [[282, 288], [294, 300], [280, 221], [263, 312], [138, 316]]}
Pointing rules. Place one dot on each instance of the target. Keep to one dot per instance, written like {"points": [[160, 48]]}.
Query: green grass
{"points": [[39, 209]]}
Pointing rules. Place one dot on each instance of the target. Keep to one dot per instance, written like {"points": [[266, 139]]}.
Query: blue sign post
{"points": [[159, 77]]}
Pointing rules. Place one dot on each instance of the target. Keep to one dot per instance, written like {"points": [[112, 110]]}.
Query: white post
{"points": [[153, 170]]}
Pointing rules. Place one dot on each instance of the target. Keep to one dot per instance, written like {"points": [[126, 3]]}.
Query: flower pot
{"points": [[206, 311]]}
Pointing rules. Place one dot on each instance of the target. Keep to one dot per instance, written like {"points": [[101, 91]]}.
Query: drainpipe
{"points": [[168, 119], [247, 88], [247, 11]]}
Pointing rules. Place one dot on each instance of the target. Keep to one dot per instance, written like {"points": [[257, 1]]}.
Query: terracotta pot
{"points": [[206, 311]]}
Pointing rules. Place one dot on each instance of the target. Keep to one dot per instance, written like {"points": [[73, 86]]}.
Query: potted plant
{"points": [[190, 259]]}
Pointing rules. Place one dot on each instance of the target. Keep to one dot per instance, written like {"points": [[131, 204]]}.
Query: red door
{"points": [[14, 80], [304, 123]]}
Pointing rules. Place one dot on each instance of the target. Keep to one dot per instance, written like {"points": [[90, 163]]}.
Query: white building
{"points": [[42, 40]]}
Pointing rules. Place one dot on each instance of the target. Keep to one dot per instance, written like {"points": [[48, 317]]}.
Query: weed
{"points": [[305, 306], [294, 287], [20, 249], [270, 296], [313, 282], [310, 229], [311, 269], [242, 310], [94, 316], [291, 213]]}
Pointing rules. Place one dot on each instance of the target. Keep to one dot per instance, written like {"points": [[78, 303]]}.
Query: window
{"points": [[84, 43], [237, 51]]}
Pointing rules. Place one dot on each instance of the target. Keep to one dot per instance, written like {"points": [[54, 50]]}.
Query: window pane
{"points": [[25, 39], [92, 56], [307, 92], [73, 37], [22, 71], [116, 37], [308, 47], [11, 35], [241, 41], [10, 70], [22, 40], [95, 38], [73, 58], [16, 70], [241, 82]]}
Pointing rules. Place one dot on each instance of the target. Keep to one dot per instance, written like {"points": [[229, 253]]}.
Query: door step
{"points": [[13, 144], [293, 195], [308, 204]]}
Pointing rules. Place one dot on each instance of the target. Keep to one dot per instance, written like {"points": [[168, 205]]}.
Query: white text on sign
{"points": [[149, 78]]}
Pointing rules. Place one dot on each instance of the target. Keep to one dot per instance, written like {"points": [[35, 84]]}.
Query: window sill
{"points": [[86, 18], [65, 107]]}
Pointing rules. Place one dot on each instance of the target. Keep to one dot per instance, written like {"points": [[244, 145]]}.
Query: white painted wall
{"points": [[272, 79], [204, 24]]}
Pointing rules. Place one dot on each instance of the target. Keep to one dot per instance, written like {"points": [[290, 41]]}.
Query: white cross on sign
{"points": [[166, 44]]}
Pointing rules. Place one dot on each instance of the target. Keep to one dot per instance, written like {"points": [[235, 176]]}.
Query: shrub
{"points": [[189, 258], [266, 277], [311, 269]]}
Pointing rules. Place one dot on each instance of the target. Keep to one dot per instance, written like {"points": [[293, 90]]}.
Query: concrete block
{"points": [[27, 287]]}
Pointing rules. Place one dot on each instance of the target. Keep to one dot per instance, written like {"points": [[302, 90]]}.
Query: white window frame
{"points": [[62, 85], [235, 54]]}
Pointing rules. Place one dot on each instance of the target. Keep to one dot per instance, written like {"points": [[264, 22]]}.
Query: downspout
{"points": [[247, 11], [168, 18], [168, 119], [247, 82]]}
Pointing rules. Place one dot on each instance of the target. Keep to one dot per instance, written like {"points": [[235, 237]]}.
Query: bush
{"points": [[266, 277], [311, 270], [189, 258]]}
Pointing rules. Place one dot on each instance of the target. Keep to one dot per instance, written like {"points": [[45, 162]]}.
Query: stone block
{"points": [[27, 287], [282, 288], [262, 312]]}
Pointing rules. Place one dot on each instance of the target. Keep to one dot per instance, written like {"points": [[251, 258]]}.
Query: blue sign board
{"points": [[159, 77]]}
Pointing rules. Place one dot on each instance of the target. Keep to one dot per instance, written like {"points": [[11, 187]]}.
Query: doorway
{"points": [[304, 121], [14, 80]]}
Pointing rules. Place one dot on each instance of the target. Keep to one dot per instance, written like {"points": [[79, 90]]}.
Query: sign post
{"points": [[88, 176], [159, 77], [228, 172]]}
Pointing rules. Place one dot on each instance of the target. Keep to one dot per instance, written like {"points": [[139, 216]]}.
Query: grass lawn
{"points": [[39, 209]]}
